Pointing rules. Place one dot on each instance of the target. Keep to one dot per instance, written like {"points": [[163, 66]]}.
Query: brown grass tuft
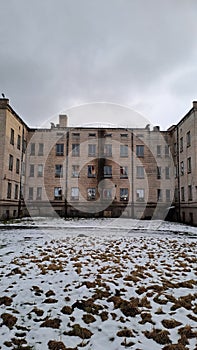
{"points": [[9, 320], [51, 323], [170, 323], [158, 335]]}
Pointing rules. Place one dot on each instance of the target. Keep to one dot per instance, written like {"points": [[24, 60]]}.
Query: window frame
{"points": [[59, 148], [107, 171], [124, 151], [58, 170], [139, 174], [75, 149], [140, 151], [11, 162]]}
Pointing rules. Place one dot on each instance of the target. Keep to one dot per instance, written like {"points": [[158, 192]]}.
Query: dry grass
{"points": [[8, 320], [51, 323], [88, 318], [170, 323], [79, 331], [7, 301], [125, 333], [67, 310], [158, 335]]}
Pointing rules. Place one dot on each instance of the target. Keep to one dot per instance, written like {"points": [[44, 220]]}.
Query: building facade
{"points": [[92, 171]]}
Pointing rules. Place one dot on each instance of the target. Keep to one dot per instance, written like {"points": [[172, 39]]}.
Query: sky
{"points": [[56, 55]]}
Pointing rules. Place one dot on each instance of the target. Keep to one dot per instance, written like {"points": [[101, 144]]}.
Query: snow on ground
{"points": [[98, 284]]}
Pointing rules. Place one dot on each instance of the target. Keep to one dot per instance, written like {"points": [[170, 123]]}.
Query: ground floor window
{"points": [[140, 194], [107, 193], [91, 193], [75, 193], [58, 193], [124, 194]]}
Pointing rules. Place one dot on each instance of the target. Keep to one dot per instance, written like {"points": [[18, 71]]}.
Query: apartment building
{"points": [[98, 171], [13, 137], [185, 160]]}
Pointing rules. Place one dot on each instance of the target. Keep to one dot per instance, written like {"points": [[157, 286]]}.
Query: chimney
{"points": [[156, 128], [63, 119], [4, 102], [195, 104]]}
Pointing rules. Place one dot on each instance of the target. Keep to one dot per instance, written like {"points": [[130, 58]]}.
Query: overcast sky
{"points": [[137, 53]]}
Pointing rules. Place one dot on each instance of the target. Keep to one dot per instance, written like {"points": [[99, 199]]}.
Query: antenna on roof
{"points": [[3, 95]]}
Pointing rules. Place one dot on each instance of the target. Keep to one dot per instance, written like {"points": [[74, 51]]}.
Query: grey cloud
{"points": [[54, 53]]}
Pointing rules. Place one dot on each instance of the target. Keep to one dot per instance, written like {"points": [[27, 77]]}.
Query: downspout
{"points": [[132, 175], [178, 175], [66, 188], [21, 174]]}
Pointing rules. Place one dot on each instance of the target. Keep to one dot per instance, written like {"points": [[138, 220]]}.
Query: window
{"points": [[92, 150], [23, 168], [158, 150], [40, 149], [189, 193], [31, 170], [140, 194], [182, 194], [159, 194], [124, 136], [91, 192], [11, 162], [75, 170], [167, 172], [59, 149], [92, 134], [182, 168], [123, 150], [12, 136], [39, 193], [191, 218], [9, 190], [189, 165], [181, 144], [167, 151], [108, 150], [158, 172], [168, 195], [188, 138], [107, 135], [175, 148], [58, 170], [17, 165], [40, 170], [32, 149], [176, 194], [75, 193], [31, 193], [140, 172], [107, 171], [124, 194], [123, 172], [107, 193], [91, 171], [75, 149], [16, 192], [19, 142], [75, 135], [24, 145], [58, 193], [140, 151]]}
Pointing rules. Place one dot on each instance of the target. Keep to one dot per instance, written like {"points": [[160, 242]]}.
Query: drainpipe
{"points": [[21, 174], [132, 175], [66, 188], [178, 175]]}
